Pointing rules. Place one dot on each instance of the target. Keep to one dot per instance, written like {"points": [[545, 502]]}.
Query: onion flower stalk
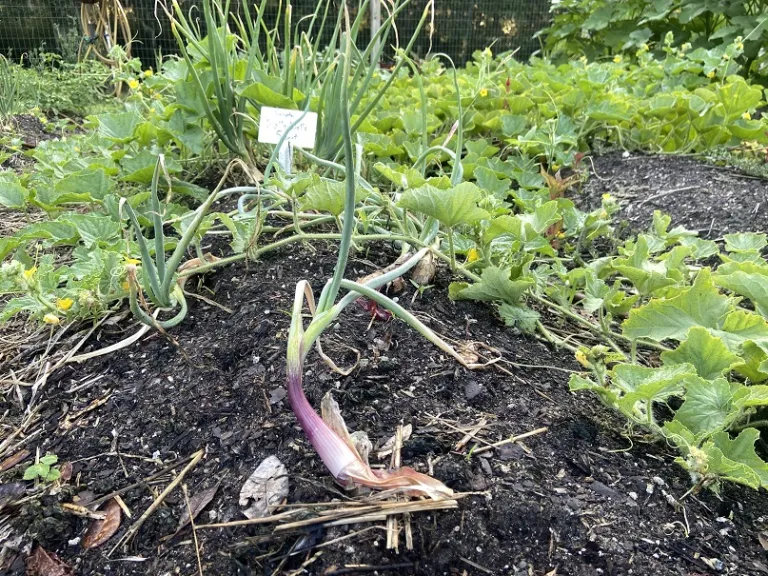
{"points": [[329, 435]]}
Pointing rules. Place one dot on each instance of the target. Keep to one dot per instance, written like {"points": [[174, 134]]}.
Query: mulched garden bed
{"points": [[580, 498]]}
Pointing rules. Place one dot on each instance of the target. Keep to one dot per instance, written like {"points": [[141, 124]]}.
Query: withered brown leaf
{"points": [[11, 461], [44, 563], [102, 530], [196, 504], [66, 471]]}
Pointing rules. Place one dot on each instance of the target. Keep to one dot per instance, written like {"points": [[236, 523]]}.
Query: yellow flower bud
{"points": [[617, 59], [51, 319], [483, 93], [64, 304], [133, 84], [473, 255], [747, 116], [30, 272], [148, 73], [711, 74]]}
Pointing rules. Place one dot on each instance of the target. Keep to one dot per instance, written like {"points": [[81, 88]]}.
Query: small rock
{"points": [[510, 452], [277, 395], [472, 390], [574, 504], [604, 490], [478, 482]]}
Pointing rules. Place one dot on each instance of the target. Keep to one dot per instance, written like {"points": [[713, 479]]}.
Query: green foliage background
{"points": [[598, 28], [460, 27]]}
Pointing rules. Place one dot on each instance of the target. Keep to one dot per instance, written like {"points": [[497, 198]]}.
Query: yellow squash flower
{"points": [[148, 73], [473, 255], [483, 93], [581, 358], [64, 304], [747, 116], [51, 319], [30, 272], [617, 59], [132, 261], [133, 84], [711, 74]]}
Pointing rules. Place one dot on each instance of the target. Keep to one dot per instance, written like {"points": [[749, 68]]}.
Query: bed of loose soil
{"points": [[30, 131], [700, 196], [579, 499]]}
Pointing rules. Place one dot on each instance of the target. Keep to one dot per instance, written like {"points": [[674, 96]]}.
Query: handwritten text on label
{"points": [[275, 121]]}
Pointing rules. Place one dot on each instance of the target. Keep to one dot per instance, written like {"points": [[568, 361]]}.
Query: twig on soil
{"points": [[40, 382], [409, 566], [265, 520], [194, 530], [86, 382], [667, 193], [393, 527], [82, 511], [471, 434], [371, 513], [510, 440], [467, 430], [475, 565], [209, 301], [124, 506], [159, 500], [71, 419]]}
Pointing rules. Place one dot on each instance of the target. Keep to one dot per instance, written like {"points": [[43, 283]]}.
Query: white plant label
{"points": [[275, 122]]}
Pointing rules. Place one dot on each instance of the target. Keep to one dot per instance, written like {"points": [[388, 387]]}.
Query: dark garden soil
{"points": [[29, 131], [700, 196], [578, 499]]}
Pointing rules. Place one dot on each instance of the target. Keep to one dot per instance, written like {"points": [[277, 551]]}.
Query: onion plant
{"points": [[9, 89], [358, 82], [219, 51], [160, 281], [329, 435], [242, 77]]}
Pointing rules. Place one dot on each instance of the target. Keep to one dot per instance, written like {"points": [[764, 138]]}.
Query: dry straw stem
{"points": [[472, 433], [116, 494], [369, 513], [347, 514], [510, 440], [194, 530], [156, 504]]}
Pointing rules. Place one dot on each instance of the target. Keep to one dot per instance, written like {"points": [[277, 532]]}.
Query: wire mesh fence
{"points": [[456, 28]]}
